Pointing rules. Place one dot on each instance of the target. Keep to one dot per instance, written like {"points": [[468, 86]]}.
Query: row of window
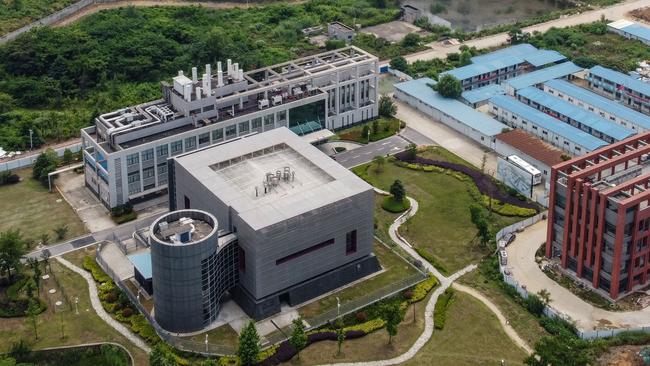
{"points": [[350, 247]]}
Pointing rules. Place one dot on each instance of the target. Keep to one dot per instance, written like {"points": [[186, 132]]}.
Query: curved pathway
{"points": [[445, 283], [97, 305]]}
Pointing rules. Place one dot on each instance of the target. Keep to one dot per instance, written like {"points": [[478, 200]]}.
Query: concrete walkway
{"points": [[445, 283], [524, 269], [94, 300]]}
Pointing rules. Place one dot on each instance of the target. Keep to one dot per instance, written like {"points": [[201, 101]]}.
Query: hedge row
{"points": [[98, 274], [506, 209], [440, 312]]}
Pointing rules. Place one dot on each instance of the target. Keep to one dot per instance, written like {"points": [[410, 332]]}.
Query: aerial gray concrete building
{"points": [[303, 226], [126, 150]]}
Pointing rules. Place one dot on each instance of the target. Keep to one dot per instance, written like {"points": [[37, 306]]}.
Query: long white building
{"points": [[126, 150]]}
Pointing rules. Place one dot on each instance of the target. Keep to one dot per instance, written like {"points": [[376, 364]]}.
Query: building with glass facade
{"points": [[126, 150]]}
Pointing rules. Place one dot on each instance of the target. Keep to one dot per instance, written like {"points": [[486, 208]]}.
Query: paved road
{"points": [[524, 269], [365, 153], [614, 12], [416, 137]]}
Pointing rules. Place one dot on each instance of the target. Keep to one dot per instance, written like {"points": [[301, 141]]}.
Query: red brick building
{"points": [[599, 216]]}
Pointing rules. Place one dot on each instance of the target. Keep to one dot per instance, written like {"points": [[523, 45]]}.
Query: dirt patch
{"points": [[641, 14], [621, 356]]}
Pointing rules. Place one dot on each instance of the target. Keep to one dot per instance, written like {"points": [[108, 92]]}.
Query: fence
{"points": [[314, 322], [29, 160], [548, 310]]}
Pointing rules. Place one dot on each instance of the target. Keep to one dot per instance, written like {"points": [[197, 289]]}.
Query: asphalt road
{"points": [[364, 154]]}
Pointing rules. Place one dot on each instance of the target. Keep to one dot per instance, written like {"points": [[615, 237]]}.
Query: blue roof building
{"points": [[480, 96], [598, 104], [630, 30], [547, 128], [630, 91], [563, 70], [453, 113], [142, 270], [603, 129]]}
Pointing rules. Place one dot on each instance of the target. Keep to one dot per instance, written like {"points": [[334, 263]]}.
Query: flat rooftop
{"points": [[270, 177], [621, 79], [632, 28], [532, 146], [199, 229], [540, 76]]}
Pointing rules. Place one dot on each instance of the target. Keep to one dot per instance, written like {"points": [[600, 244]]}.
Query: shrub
{"points": [[98, 274], [535, 305], [7, 177], [414, 166], [421, 290], [440, 312], [391, 205], [408, 294], [508, 209], [127, 312], [361, 316], [141, 326], [367, 327]]}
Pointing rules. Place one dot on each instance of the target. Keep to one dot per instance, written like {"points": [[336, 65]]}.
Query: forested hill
{"points": [[55, 81]]}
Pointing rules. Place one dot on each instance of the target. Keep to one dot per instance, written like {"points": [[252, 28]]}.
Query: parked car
{"points": [[509, 238]]}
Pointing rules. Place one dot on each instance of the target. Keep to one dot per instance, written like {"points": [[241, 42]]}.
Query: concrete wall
{"points": [[24, 161]]}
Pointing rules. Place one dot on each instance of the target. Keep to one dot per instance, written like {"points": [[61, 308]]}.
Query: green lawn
{"points": [[442, 228], [79, 328], [29, 207], [472, 336], [524, 323], [386, 127], [395, 269]]}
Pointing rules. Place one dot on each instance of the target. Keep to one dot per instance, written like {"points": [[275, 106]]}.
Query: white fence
{"points": [[29, 160], [399, 74], [548, 310]]}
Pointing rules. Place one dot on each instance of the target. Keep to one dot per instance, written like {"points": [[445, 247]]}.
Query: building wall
{"points": [[628, 97], [487, 141], [517, 121], [504, 149], [594, 109], [627, 35]]}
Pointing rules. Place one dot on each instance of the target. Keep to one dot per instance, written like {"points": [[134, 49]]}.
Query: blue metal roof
{"points": [[543, 75], [476, 69], [520, 50], [580, 115], [638, 30], [621, 79], [142, 262], [460, 111], [483, 93], [600, 102], [544, 57], [547, 122]]}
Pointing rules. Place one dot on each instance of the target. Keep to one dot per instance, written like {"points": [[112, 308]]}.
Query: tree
{"points": [[387, 107], [535, 305], [61, 231], [399, 63], [411, 40], [480, 222], [162, 355], [298, 337], [68, 157], [12, 248], [412, 151], [465, 58], [379, 161], [332, 44], [32, 311], [36, 268], [375, 126], [249, 345], [365, 132], [564, 349], [545, 296], [448, 86], [516, 35], [7, 102], [340, 337], [398, 191], [45, 238], [392, 315], [45, 257], [46, 163]]}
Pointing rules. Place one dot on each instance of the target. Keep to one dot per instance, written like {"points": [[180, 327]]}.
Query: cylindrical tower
{"points": [[185, 254]]}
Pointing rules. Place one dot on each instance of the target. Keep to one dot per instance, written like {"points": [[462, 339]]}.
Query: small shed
{"points": [[142, 270]]}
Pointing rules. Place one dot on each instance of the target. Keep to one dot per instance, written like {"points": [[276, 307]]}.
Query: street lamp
{"points": [[206, 343], [76, 305], [31, 141], [338, 307]]}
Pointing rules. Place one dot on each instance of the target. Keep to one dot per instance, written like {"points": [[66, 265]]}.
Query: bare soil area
{"points": [[621, 356]]}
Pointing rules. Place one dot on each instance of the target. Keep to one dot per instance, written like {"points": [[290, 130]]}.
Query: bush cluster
{"points": [[7, 177], [506, 209], [440, 312], [98, 274]]}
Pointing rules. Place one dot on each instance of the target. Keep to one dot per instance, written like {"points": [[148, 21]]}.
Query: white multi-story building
{"points": [[126, 150]]}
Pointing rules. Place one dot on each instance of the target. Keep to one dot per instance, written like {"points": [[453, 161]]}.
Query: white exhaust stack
{"points": [[241, 74], [208, 69], [194, 75], [198, 92], [219, 66], [235, 70], [229, 64], [206, 85], [180, 72], [187, 92], [219, 78]]}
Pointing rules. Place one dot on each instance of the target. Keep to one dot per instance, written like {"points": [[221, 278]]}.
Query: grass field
{"points": [[442, 227], [29, 207], [79, 328], [386, 127], [524, 323], [395, 269], [472, 336]]}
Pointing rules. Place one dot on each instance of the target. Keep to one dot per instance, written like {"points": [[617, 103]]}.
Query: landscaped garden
{"points": [[374, 130], [99, 355], [443, 230], [40, 216]]}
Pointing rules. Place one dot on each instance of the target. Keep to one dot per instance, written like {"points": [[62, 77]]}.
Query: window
{"points": [[162, 172], [162, 150], [304, 251], [190, 143], [231, 131], [132, 159], [187, 202], [257, 122], [217, 135], [134, 177], [351, 242], [204, 138], [244, 127], [241, 254], [268, 120], [282, 115], [148, 173], [177, 147], [147, 155]]}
